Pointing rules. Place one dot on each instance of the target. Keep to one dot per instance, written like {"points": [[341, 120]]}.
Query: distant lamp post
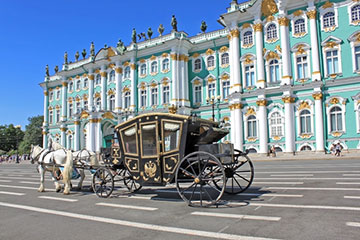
{"points": [[213, 102]]}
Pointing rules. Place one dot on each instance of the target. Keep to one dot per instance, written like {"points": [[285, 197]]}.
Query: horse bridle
{"points": [[37, 156]]}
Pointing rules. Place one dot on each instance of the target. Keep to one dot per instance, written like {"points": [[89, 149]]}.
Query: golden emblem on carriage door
{"points": [[150, 169]]}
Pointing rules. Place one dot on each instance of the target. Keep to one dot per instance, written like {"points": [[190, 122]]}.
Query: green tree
{"points": [[33, 134], [10, 137]]}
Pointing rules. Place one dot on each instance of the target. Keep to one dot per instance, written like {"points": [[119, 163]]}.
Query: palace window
{"points": [[78, 107], [302, 67], [57, 115], [51, 116], [86, 83], [127, 100], [328, 20], [299, 26], [357, 58], [271, 32], [127, 72], [336, 119], [211, 61], [154, 67], [251, 127], [355, 13], [154, 96], [197, 65], [211, 90], [143, 69], [71, 86], [70, 142], [274, 71], [305, 148], [224, 59], [86, 105], [250, 75], [276, 124], [51, 96], [305, 122], [166, 94], [112, 76], [165, 65], [98, 80], [332, 62], [143, 98], [71, 110], [58, 94], [112, 102], [248, 38], [78, 85], [198, 93], [98, 103], [225, 88]]}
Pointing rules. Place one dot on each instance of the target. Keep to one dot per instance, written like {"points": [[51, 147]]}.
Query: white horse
{"points": [[50, 161]]}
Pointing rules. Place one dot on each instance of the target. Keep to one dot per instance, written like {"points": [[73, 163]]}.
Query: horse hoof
{"points": [[58, 189], [66, 193]]}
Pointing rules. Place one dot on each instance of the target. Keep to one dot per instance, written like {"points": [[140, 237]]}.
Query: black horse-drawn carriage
{"points": [[159, 148]]}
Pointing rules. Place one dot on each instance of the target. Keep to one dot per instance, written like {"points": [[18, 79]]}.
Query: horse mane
{"points": [[56, 146]]}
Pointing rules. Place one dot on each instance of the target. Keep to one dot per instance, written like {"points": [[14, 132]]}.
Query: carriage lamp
{"points": [[213, 102]]}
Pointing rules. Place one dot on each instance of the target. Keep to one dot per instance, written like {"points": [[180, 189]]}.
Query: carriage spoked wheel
{"points": [[130, 182], [103, 182], [195, 178], [239, 175]]}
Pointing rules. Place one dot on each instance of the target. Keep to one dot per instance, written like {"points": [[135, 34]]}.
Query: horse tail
{"points": [[68, 168]]}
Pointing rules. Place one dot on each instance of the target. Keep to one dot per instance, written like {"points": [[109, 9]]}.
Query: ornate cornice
{"points": [[288, 99]]}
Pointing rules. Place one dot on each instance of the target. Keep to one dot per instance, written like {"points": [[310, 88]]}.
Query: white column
{"points": [[285, 51], [314, 44], [239, 126], [46, 118], [77, 135], [289, 124], [235, 60], [258, 28], [186, 81], [118, 93], [233, 133], [99, 137], [91, 89], [63, 135], [91, 135], [175, 80], [319, 122], [133, 85], [103, 88], [231, 61], [64, 100], [263, 123]]}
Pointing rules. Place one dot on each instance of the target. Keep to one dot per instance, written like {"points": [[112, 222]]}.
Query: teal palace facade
{"points": [[283, 73]]}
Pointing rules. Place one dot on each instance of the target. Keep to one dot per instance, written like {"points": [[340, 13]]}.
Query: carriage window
{"points": [[128, 137], [148, 140], [171, 136]]}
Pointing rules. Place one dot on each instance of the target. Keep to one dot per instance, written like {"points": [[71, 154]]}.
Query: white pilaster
{"points": [[133, 84], [175, 78], [103, 74], [91, 135], [64, 100], [314, 43], [258, 28], [91, 89], [235, 60], [63, 135], [233, 132], [238, 144], [319, 122], [77, 135], [263, 123], [285, 50], [289, 124], [118, 94], [99, 137]]}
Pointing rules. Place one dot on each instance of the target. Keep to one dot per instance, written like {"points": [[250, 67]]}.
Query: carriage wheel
{"points": [[239, 175], [130, 182], [195, 178], [103, 182]]}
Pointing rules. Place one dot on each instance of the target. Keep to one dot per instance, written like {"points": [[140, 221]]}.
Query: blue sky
{"points": [[34, 33]]}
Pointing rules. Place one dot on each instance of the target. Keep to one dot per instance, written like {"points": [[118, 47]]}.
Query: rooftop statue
{"points": [[142, 35], [120, 47], [65, 58], [174, 23], [77, 55], [203, 26], [56, 69], [47, 70], [83, 53], [149, 32], [133, 35], [92, 49], [161, 29]]}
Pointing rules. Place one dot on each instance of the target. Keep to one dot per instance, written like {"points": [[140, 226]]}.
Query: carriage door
{"points": [[170, 141], [150, 168]]}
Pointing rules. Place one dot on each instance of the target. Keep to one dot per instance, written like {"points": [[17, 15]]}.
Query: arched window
{"points": [[251, 127], [355, 13], [86, 83], [197, 64], [78, 107], [98, 103], [210, 61], [165, 64], [225, 88], [78, 84], [166, 94], [225, 59], [71, 86], [211, 90], [274, 71], [302, 67], [271, 32], [71, 109], [154, 96], [112, 102], [305, 122], [154, 67], [305, 148], [250, 75], [143, 69], [86, 104], [336, 119], [51, 116], [329, 19], [112, 76], [143, 98], [57, 115], [247, 38], [51, 96], [299, 26], [98, 80], [127, 72], [198, 93], [276, 124], [127, 100], [70, 140], [332, 61]]}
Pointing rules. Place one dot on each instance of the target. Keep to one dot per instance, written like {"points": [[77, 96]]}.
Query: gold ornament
{"points": [[268, 7]]}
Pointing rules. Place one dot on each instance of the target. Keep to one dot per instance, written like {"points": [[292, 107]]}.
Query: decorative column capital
{"points": [[119, 70], [133, 66], [317, 96], [258, 27], [64, 84], [311, 14], [77, 122], [261, 102], [44, 132], [63, 129], [103, 74], [91, 76], [46, 93], [174, 56], [283, 21], [288, 99]]}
